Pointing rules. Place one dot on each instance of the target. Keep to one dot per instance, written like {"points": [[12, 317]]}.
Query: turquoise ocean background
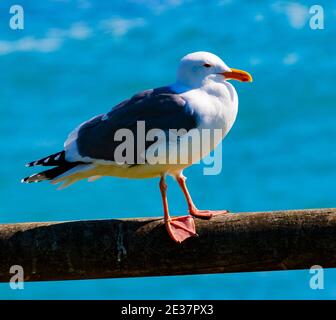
{"points": [[75, 59]]}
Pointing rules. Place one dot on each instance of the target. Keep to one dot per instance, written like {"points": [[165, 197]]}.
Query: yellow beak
{"points": [[239, 75]]}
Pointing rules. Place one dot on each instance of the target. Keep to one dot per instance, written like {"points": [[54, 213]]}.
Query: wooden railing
{"points": [[239, 242]]}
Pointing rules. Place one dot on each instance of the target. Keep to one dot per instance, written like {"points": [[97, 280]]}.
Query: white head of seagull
{"points": [[198, 68]]}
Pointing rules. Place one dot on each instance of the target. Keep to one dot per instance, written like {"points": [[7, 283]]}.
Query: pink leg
{"points": [[179, 228], [205, 214]]}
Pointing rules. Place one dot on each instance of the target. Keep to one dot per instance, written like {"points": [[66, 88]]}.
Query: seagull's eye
{"points": [[207, 65]]}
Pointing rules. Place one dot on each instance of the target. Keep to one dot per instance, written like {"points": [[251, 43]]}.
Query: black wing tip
{"points": [[25, 180], [55, 159], [33, 163], [37, 177], [29, 164]]}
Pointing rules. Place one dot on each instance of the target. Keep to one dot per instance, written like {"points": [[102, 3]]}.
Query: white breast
{"points": [[216, 104]]}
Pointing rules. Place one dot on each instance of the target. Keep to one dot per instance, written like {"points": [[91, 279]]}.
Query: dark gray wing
{"points": [[159, 108]]}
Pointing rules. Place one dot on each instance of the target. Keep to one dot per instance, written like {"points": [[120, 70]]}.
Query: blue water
{"points": [[75, 59]]}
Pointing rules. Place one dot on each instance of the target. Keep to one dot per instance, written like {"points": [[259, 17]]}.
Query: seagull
{"points": [[201, 98]]}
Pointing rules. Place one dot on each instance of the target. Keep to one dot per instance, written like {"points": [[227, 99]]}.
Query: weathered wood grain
{"points": [[240, 242]]}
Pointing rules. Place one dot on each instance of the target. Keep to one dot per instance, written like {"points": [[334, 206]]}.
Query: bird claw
{"points": [[207, 214], [181, 228]]}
